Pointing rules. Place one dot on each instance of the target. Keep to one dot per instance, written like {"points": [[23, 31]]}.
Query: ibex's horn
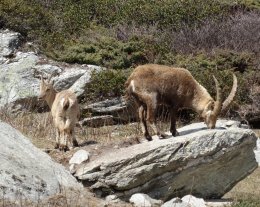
{"points": [[218, 102], [50, 76], [231, 96]]}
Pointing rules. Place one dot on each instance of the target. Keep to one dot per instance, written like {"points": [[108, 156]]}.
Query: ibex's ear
{"points": [[209, 106], [52, 82], [42, 81]]}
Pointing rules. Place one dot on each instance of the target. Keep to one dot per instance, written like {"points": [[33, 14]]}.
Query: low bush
{"points": [[106, 84], [106, 52]]}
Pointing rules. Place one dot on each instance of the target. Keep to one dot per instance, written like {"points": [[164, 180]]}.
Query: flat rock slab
{"points": [[206, 163]]}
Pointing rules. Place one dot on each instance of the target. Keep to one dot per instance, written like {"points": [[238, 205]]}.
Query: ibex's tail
{"points": [[66, 103], [128, 91]]}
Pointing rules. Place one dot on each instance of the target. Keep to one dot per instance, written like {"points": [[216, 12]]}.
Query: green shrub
{"points": [[107, 52], [106, 84]]}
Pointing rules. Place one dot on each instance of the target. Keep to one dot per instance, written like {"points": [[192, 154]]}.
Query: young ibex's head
{"points": [[46, 88], [215, 108]]}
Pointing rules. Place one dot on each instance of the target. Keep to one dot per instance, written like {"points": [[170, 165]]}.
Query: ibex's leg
{"points": [[142, 116], [64, 141], [151, 104], [57, 144], [74, 141], [173, 123]]}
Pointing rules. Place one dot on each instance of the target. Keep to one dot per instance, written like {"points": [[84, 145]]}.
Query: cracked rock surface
{"points": [[28, 173], [207, 163]]}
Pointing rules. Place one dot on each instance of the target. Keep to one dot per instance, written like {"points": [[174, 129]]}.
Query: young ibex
{"points": [[151, 85], [64, 110]]}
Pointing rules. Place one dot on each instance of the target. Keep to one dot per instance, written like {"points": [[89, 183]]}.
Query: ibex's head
{"points": [[46, 88], [215, 108]]}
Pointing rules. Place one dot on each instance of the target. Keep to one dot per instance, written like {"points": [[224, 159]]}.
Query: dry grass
{"points": [[38, 127], [64, 199], [247, 192]]}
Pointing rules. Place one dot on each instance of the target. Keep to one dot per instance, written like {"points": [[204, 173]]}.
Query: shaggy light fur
{"points": [[65, 113], [151, 85]]}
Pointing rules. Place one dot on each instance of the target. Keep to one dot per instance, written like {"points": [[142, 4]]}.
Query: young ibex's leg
{"points": [[173, 123], [151, 104], [64, 141], [142, 116], [57, 144]]}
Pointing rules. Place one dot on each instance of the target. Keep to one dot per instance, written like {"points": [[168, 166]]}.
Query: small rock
{"points": [[110, 199], [175, 202], [79, 157], [143, 200], [193, 201], [218, 203]]}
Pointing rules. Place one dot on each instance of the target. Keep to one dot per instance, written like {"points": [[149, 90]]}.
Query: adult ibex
{"points": [[64, 110], [151, 85]]}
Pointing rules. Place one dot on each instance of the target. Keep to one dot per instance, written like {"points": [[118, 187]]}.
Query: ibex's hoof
{"points": [[56, 146], [63, 148], [148, 137], [75, 143], [175, 134]]}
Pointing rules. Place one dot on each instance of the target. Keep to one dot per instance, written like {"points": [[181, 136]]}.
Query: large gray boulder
{"points": [[18, 86], [206, 163], [19, 75], [28, 173]]}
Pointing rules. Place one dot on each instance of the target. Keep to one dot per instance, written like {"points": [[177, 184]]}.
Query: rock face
{"points": [[98, 121], [206, 163], [26, 171], [117, 107], [19, 71]]}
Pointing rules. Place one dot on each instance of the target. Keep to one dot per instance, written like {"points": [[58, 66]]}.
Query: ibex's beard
{"points": [[210, 119]]}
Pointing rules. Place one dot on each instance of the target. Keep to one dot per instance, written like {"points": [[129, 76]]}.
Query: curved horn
{"points": [[50, 76], [218, 102], [231, 96]]}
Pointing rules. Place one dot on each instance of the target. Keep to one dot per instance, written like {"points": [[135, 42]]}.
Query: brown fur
{"points": [[65, 113], [151, 85]]}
